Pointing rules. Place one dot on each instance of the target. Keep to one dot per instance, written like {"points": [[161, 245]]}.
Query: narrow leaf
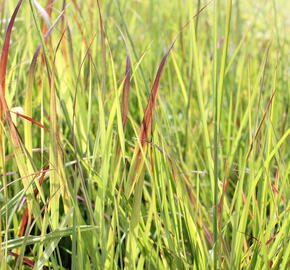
{"points": [[31, 120], [126, 89]]}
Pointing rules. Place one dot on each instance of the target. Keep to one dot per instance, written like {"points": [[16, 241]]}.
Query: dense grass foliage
{"points": [[144, 134]]}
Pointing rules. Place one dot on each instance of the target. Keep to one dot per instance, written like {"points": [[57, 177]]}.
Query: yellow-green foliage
{"points": [[144, 134]]}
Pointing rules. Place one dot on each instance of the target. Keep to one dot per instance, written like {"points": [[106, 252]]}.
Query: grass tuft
{"points": [[116, 155]]}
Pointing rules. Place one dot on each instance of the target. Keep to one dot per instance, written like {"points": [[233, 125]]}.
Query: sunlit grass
{"points": [[144, 135]]}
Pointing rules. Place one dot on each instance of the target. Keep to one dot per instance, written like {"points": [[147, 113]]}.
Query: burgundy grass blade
{"points": [[6, 45], [31, 120], [272, 238], [145, 132], [126, 92], [3, 66], [25, 260], [208, 234], [24, 219], [148, 115], [276, 191], [146, 125], [3, 63]]}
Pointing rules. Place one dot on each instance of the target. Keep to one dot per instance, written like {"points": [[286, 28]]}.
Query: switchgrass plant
{"points": [[144, 134]]}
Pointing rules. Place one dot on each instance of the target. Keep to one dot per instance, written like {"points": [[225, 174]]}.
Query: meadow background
{"points": [[144, 134]]}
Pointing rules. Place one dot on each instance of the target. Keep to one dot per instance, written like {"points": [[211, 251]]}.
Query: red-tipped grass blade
{"points": [[31, 120], [25, 260], [148, 115], [146, 126], [3, 67], [126, 89], [24, 219], [276, 191], [6, 45]]}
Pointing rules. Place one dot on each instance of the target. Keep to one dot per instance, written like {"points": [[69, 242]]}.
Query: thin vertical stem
{"points": [[216, 130]]}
